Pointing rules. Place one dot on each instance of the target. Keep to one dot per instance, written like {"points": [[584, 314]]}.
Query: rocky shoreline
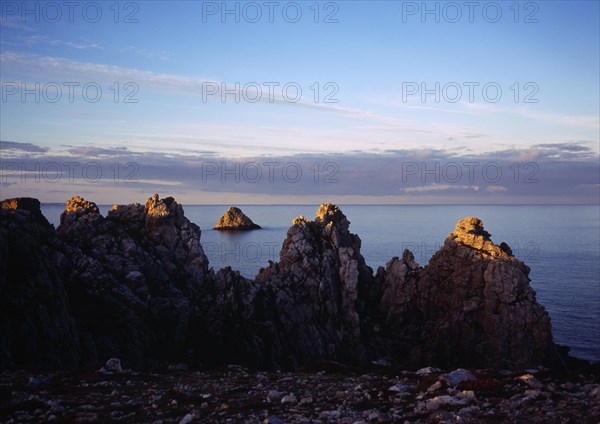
{"points": [[137, 285], [316, 337], [324, 393]]}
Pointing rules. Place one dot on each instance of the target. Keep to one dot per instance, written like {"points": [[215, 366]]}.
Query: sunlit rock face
{"points": [[136, 285], [235, 220], [315, 289], [471, 305]]}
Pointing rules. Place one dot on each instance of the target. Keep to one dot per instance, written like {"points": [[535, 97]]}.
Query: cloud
{"points": [[568, 150], [43, 39], [145, 53], [55, 68], [403, 175], [484, 110], [93, 152], [24, 147], [49, 67], [330, 127], [15, 22], [364, 123], [440, 187], [569, 147], [496, 189], [582, 121], [159, 182], [590, 122]]}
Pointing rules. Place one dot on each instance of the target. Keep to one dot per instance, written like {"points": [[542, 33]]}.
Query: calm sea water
{"points": [[561, 245]]}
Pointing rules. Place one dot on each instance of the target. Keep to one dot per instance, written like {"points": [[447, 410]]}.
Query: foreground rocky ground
{"points": [[328, 393]]}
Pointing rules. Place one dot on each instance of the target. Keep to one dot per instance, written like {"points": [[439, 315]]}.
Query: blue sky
{"points": [[510, 86]]}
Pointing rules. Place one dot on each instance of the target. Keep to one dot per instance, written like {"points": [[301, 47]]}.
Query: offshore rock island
{"points": [[136, 285], [235, 220]]}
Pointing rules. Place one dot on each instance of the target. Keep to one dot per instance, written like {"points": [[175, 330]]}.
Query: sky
{"points": [[351, 102]]}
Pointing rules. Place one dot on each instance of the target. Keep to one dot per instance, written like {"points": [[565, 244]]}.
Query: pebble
{"points": [[291, 398], [37, 381], [457, 376], [531, 381], [382, 363], [275, 396], [428, 371], [113, 365], [399, 388], [330, 415], [435, 386], [532, 393], [273, 419], [306, 400], [188, 418], [466, 395]]}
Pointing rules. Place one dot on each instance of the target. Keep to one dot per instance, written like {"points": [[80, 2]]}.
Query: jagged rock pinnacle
{"points": [[469, 231]]}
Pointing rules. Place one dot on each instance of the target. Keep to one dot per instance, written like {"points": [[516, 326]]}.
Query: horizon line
{"points": [[350, 204]]}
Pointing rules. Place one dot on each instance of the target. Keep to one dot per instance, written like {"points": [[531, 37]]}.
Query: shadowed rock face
{"points": [[136, 285], [29, 204], [234, 220], [133, 276], [36, 328]]}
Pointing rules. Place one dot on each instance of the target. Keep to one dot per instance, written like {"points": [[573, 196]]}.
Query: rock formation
{"points": [[472, 304], [133, 276], [30, 205], [315, 289], [235, 220], [36, 328], [136, 285]]}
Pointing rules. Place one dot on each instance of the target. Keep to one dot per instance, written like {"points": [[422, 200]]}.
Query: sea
{"points": [[560, 243]]}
